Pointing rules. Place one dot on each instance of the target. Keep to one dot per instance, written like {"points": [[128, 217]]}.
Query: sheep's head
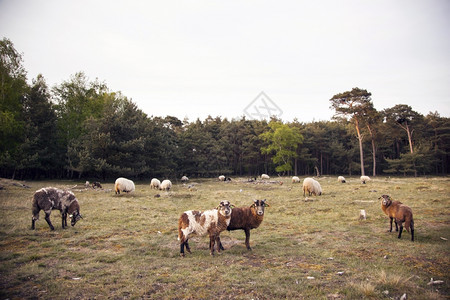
{"points": [[385, 200], [225, 208], [259, 206], [75, 217]]}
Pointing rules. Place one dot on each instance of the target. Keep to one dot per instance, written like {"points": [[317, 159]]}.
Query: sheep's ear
{"points": [[266, 204]]}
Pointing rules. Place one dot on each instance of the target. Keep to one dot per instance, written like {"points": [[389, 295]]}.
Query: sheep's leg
{"points": [[220, 244], [401, 230], [396, 225], [391, 219], [247, 238], [32, 222], [47, 218], [188, 249], [182, 244], [64, 220], [212, 240], [411, 225]]}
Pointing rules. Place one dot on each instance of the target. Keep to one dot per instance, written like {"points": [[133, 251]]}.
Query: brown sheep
{"points": [[399, 213], [247, 218]]}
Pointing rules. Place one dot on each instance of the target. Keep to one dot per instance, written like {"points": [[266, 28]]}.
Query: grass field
{"points": [[316, 248]]}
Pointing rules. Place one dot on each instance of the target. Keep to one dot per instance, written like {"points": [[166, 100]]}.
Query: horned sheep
{"points": [[123, 185], [211, 222], [165, 185], [50, 198], [311, 186], [399, 213], [155, 183], [247, 218]]}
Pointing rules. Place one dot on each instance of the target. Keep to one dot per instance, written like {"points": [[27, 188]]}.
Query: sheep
{"points": [[165, 185], [247, 218], [184, 179], [124, 185], [221, 178], [364, 179], [295, 179], [311, 186], [50, 198], [96, 185], [155, 183], [399, 213], [265, 176], [211, 222], [341, 179]]}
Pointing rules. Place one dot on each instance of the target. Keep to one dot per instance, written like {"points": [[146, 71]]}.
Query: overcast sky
{"points": [[198, 58]]}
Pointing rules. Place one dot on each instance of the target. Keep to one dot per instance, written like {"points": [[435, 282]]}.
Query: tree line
{"points": [[81, 129]]}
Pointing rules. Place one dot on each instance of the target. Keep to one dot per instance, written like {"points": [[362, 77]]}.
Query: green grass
{"points": [[126, 245]]}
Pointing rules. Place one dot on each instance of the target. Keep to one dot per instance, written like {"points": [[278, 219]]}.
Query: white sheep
{"points": [[184, 179], [311, 186], [364, 179], [341, 179], [265, 176], [221, 178], [165, 185], [155, 183], [295, 179], [124, 185]]}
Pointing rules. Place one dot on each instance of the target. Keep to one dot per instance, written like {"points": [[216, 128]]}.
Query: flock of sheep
{"points": [[211, 222]]}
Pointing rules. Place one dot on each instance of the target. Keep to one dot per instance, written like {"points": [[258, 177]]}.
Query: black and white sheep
{"points": [[123, 185], [399, 213], [341, 179], [364, 179], [50, 198], [155, 183], [211, 222], [97, 185], [311, 186], [165, 185], [247, 218]]}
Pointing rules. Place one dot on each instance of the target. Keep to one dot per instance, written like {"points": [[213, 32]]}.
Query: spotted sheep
{"points": [[211, 222], [50, 198]]}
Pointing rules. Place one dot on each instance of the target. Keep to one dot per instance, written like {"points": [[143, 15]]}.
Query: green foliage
{"points": [[282, 140]]}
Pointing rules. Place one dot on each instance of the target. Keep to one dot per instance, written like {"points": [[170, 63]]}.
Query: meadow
{"points": [[126, 247]]}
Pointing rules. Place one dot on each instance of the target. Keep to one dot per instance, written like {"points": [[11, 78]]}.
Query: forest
{"points": [[80, 128]]}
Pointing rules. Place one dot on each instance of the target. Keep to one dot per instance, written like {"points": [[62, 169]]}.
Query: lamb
{"points": [[364, 179], [155, 183], [247, 218], [341, 179], [221, 178], [398, 212], [50, 198], [124, 185], [165, 185], [265, 176], [211, 222], [311, 186], [184, 179], [295, 179]]}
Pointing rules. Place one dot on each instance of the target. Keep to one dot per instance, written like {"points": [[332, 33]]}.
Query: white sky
{"points": [[196, 58]]}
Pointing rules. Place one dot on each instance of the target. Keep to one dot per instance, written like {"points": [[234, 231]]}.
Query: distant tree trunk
{"points": [[361, 153], [374, 157], [295, 166]]}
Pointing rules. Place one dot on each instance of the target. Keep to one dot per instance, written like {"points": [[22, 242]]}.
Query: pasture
{"points": [[306, 248]]}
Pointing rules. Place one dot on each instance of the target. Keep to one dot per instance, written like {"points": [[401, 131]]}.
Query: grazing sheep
{"points": [[364, 179], [184, 179], [311, 186], [211, 222], [399, 213], [341, 179], [295, 179], [247, 218], [165, 185], [96, 185], [155, 183], [221, 178], [124, 185], [50, 198], [265, 176]]}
